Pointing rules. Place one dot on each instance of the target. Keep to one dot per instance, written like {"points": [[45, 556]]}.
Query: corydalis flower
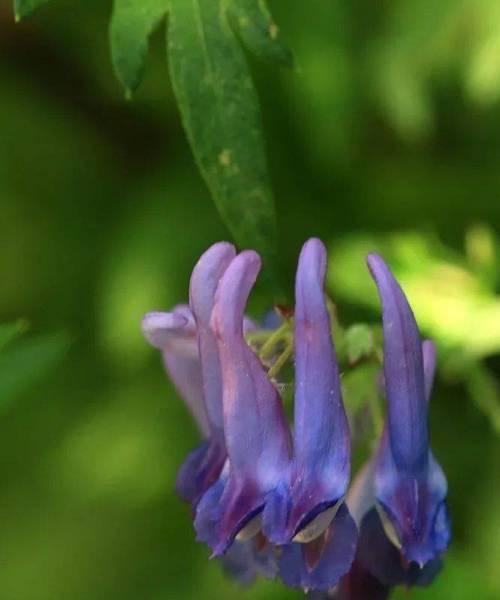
{"points": [[269, 498], [191, 359], [252, 484], [290, 488], [407, 529]]}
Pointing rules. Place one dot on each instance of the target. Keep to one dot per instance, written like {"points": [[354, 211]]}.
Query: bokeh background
{"points": [[387, 135]]}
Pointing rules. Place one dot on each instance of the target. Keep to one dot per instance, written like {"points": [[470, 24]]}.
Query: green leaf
{"points": [[22, 8], [132, 22], [28, 360], [359, 342], [253, 22], [221, 115], [9, 331]]}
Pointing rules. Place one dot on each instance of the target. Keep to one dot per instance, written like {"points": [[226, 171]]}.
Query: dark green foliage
{"points": [[221, 115], [254, 24], [132, 23], [23, 8], [386, 137], [24, 362]]}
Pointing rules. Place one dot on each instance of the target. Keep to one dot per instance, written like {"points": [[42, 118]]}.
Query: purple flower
{"points": [[316, 518], [291, 489], [405, 527], [191, 359], [270, 498]]}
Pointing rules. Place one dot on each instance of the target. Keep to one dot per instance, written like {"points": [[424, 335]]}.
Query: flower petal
{"points": [[174, 329], [360, 584], [403, 372], [175, 334], [333, 562], [244, 561], [200, 470], [383, 560], [410, 487], [255, 428], [321, 432], [204, 280]]}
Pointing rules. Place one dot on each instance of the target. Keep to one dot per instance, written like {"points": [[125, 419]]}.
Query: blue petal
{"points": [[245, 561], [384, 561], [413, 505], [360, 584], [200, 470], [409, 485], [209, 512], [321, 432], [333, 561], [403, 372], [271, 320], [255, 428]]}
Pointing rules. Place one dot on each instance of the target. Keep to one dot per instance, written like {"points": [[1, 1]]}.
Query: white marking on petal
{"points": [[389, 529], [251, 529], [318, 525]]}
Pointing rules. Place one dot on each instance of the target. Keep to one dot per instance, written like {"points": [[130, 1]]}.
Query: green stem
{"points": [[274, 339], [280, 361]]}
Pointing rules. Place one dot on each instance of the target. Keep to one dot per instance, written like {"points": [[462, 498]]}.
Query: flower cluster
{"points": [[276, 500]]}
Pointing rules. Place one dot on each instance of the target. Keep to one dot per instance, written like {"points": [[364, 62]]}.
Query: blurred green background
{"points": [[387, 135]]}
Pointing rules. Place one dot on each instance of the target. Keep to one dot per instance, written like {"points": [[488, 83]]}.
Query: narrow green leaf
{"points": [[132, 22], [22, 8], [9, 331], [28, 360], [259, 32], [221, 115]]}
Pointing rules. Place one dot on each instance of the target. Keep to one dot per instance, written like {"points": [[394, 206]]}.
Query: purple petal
{"points": [[185, 373], [410, 487], [256, 431], [245, 561], [175, 334], [203, 466], [321, 433], [333, 562], [204, 280], [384, 561], [255, 427], [199, 471], [360, 584], [209, 511], [414, 507], [403, 372], [175, 330]]}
